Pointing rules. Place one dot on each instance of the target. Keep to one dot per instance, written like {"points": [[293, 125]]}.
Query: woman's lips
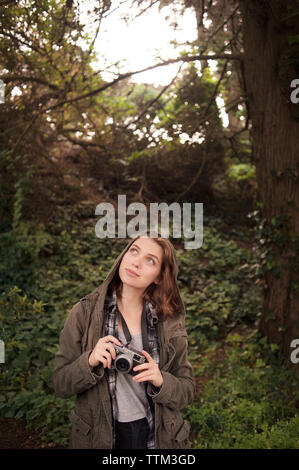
{"points": [[131, 273]]}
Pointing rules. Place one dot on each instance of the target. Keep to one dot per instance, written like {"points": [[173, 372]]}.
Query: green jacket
{"points": [[92, 416]]}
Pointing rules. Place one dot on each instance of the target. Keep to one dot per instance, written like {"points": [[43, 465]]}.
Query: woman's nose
{"points": [[136, 262]]}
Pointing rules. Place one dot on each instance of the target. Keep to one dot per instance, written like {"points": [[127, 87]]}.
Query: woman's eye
{"points": [[132, 250]]}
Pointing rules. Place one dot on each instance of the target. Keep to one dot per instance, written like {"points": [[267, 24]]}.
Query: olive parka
{"points": [[92, 416]]}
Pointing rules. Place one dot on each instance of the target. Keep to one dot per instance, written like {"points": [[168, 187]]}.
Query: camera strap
{"points": [[143, 329]]}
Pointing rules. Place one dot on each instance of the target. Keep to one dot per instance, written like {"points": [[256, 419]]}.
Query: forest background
{"points": [[70, 139]]}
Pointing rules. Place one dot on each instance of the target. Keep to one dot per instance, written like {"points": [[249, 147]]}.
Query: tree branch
{"points": [[15, 78], [203, 161], [26, 43], [154, 100], [216, 89], [162, 64]]}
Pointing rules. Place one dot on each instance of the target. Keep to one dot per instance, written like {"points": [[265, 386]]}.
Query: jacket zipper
{"points": [[91, 426]]}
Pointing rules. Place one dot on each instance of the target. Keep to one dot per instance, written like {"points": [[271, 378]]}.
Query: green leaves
{"points": [[31, 340], [236, 408], [222, 292], [293, 39]]}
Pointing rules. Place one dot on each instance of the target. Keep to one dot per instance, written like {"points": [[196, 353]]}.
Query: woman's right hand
{"points": [[103, 352]]}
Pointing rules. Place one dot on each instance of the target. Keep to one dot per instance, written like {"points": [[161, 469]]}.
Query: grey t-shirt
{"points": [[131, 399]]}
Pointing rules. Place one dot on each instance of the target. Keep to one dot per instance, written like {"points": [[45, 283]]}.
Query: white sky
{"points": [[145, 38], [138, 43]]}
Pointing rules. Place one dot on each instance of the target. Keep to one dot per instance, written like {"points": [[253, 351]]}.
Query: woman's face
{"points": [[141, 264]]}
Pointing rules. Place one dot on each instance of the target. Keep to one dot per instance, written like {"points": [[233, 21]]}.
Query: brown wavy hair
{"points": [[164, 296]]}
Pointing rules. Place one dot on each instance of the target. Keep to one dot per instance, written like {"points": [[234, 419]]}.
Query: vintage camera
{"points": [[126, 359]]}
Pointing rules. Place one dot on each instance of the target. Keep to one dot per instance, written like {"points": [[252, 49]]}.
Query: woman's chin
{"points": [[130, 280]]}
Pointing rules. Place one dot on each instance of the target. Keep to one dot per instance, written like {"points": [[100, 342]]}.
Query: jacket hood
{"points": [[103, 287]]}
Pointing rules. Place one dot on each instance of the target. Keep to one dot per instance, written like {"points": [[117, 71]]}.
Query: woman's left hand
{"points": [[151, 372]]}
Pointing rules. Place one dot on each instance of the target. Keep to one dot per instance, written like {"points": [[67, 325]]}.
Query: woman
{"points": [[137, 306]]}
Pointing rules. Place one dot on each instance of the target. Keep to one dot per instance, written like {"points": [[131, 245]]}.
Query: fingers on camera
{"points": [[113, 339], [112, 350], [104, 359]]}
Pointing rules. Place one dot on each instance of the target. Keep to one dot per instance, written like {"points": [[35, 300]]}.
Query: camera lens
{"points": [[122, 364]]}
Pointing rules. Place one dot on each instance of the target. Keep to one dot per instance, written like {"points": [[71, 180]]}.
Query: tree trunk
{"points": [[269, 71]]}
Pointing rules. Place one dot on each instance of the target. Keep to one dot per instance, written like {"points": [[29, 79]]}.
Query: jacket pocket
{"points": [[81, 437], [180, 439], [174, 433]]}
